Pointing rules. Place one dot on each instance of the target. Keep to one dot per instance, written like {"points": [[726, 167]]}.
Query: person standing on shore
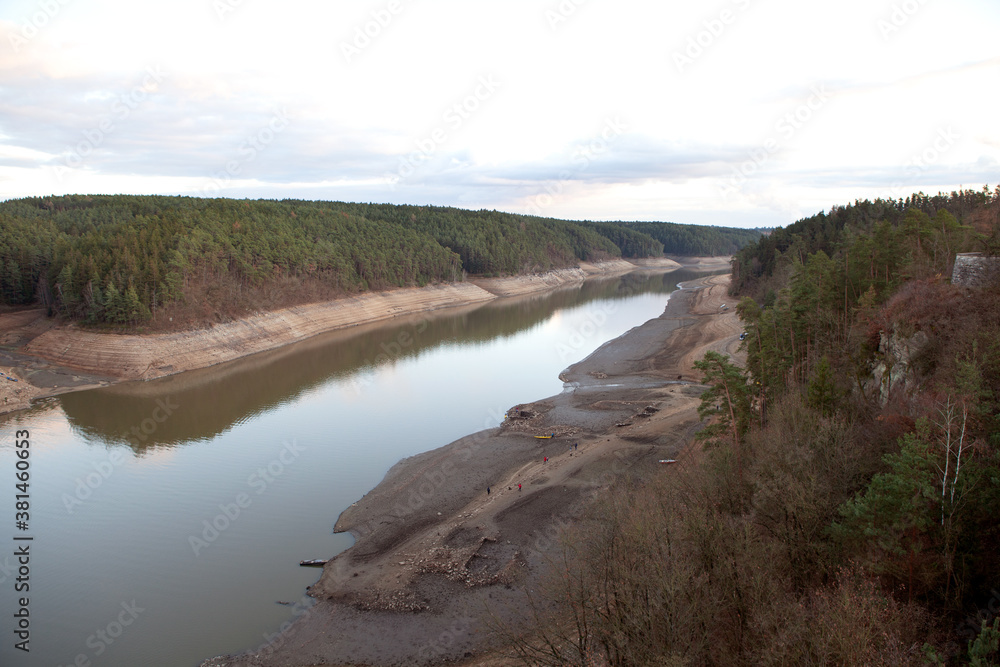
{"points": [[487, 490]]}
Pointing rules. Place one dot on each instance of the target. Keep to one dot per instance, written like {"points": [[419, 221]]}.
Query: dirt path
{"points": [[436, 554], [720, 324]]}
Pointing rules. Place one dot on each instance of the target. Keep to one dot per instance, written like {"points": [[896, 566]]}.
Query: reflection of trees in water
{"points": [[210, 401], [38, 411]]}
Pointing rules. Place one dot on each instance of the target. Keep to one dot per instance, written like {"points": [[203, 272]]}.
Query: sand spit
{"points": [[436, 556], [542, 282]]}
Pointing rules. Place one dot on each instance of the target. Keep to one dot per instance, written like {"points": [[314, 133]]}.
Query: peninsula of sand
{"points": [[48, 358], [452, 542]]}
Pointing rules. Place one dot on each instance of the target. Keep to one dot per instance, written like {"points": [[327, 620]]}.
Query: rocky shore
{"points": [[448, 544]]}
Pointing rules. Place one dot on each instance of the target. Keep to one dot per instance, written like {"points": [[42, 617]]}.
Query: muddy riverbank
{"points": [[437, 555]]}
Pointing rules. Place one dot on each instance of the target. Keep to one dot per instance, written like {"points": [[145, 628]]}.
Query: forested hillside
{"points": [[120, 259], [695, 240], [491, 242], [854, 326], [172, 261], [876, 236], [845, 508]]}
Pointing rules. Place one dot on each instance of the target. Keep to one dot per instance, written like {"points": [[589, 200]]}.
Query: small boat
{"points": [[313, 563], [544, 437], [668, 461]]}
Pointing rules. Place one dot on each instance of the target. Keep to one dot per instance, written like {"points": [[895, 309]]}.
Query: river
{"points": [[168, 517]]}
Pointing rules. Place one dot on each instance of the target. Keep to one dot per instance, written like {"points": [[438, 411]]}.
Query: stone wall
{"points": [[972, 269]]}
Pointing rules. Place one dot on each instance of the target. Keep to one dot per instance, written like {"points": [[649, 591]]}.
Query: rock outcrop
{"points": [[895, 369], [973, 269]]}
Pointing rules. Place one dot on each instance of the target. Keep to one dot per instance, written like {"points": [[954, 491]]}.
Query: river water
{"points": [[168, 517]]}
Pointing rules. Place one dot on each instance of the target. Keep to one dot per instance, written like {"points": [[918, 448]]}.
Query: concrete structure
{"points": [[972, 269]]}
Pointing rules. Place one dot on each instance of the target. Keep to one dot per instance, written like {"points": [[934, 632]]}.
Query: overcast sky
{"points": [[735, 112]]}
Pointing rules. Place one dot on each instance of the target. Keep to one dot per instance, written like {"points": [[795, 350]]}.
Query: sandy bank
{"points": [[718, 262], [657, 263], [148, 356], [15, 393], [135, 357], [436, 555], [541, 282], [32, 378]]}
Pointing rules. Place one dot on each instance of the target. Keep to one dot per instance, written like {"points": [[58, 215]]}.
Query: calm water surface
{"points": [[169, 517]]}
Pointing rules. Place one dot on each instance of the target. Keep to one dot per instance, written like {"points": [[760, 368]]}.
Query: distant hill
{"points": [[697, 240], [169, 261]]}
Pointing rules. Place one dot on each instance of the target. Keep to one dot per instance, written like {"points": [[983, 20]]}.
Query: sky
{"points": [[743, 113]]}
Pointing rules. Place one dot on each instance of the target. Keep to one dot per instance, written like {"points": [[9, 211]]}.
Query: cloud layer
{"points": [[743, 113]]}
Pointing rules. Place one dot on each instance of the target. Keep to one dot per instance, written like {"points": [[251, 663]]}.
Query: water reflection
{"points": [[200, 405]]}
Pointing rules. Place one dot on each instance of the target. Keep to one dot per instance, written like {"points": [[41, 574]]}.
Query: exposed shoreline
{"points": [[435, 554], [50, 359]]}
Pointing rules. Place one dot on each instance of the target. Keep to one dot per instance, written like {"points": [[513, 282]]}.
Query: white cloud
{"points": [[370, 87]]}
